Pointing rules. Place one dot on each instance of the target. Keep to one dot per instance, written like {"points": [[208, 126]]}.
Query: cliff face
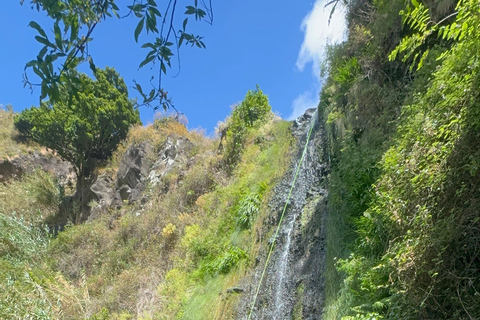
{"points": [[292, 286]]}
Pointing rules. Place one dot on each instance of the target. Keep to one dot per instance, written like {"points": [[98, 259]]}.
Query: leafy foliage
{"points": [[249, 114], [249, 206], [410, 201], [64, 49], [454, 26], [86, 127]]}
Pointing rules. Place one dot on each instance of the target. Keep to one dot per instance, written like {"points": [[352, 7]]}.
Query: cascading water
{"points": [[293, 281]]}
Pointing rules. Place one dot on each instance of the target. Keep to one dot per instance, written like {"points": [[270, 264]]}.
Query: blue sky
{"points": [[275, 44]]}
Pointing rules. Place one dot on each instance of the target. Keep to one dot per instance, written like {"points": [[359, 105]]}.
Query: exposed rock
{"points": [[16, 167], [173, 154], [133, 171], [123, 193], [298, 258], [135, 165], [235, 290], [8, 170], [102, 191]]}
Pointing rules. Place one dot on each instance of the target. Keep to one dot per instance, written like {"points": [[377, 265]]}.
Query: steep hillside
{"points": [[169, 241], [401, 103]]}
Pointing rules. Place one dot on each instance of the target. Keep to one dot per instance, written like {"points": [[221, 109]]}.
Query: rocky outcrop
{"points": [[133, 172], [24, 164], [102, 191], [174, 153], [140, 166]]}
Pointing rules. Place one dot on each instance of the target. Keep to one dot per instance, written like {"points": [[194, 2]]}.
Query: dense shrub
{"points": [[253, 110], [412, 203]]}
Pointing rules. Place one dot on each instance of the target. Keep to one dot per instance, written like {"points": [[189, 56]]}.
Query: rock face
{"points": [[293, 286], [133, 171], [16, 167], [174, 153], [141, 166]]}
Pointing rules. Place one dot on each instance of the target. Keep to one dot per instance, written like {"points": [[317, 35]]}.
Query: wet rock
{"points": [[298, 258], [235, 290]]}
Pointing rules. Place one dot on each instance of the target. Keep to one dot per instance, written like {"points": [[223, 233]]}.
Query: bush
{"points": [[250, 113]]}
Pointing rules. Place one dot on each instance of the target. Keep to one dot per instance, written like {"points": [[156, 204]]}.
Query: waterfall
{"points": [[294, 260]]}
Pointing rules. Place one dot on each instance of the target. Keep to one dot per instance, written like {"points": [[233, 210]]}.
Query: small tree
{"points": [[86, 125], [253, 110]]}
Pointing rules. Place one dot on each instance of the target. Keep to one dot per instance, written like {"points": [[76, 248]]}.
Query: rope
{"points": [[283, 214]]}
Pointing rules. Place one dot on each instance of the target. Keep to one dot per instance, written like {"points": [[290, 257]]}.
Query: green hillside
{"points": [[401, 105], [171, 224], [166, 258]]}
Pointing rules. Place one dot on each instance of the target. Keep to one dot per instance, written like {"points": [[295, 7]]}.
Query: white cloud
{"points": [[308, 99], [318, 33]]}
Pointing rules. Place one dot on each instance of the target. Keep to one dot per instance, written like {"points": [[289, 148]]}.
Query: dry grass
{"points": [[148, 261], [9, 147]]}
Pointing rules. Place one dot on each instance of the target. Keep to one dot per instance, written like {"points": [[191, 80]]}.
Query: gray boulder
{"points": [[135, 165], [102, 191]]}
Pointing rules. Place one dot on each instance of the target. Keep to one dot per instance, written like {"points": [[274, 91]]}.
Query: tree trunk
{"points": [[82, 197]]}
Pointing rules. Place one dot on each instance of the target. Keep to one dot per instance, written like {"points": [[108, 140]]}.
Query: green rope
{"points": [[281, 217]]}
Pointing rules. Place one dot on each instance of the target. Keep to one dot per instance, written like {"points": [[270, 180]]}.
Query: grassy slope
{"points": [[8, 146], [169, 258]]}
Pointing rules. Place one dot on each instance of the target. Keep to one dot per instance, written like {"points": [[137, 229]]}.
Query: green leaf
{"points": [[190, 10], [92, 65], [74, 30], [151, 95], [42, 53], [199, 14], [58, 36], [31, 63], [139, 29], [163, 67], [147, 60], [38, 73], [44, 41], [114, 6], [152, 23], [154, 11], [148, 45], [185, 23], [37, 27]]}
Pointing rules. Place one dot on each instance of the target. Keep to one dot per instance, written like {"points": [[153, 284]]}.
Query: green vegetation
{"points": [[404, 181], [174, 257], [404, 187], [11, 146], [251, 113], [86, 127], [65, 44]]}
